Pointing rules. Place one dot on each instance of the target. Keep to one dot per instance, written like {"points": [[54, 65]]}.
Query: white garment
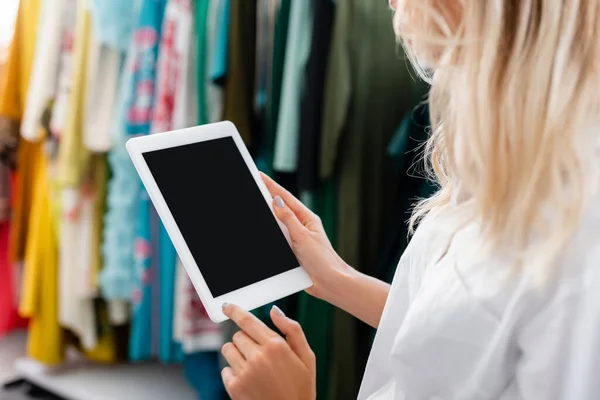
{"points": [[64, 79], [288, 124], [76, 294], [103, 74], [43, 79], [191, 324], [176, 107], [460, 326]]}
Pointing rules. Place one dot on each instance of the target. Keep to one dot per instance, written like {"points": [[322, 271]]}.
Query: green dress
{"points": [[369, 89]]}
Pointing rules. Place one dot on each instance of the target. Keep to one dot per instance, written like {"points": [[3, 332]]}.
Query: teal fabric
{"points": [[114, 21], [265, 159], [203, 373], [218, 67], [143, 337], [168, 350], [202, 7]]}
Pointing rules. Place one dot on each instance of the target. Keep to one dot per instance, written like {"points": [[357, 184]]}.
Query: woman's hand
{"points": [[334, 281], [309, 241], [262, 364]]}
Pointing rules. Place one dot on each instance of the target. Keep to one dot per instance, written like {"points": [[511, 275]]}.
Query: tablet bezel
{"points": [[248, 297]]}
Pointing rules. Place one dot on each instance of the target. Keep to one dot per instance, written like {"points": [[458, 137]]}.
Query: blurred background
{"points": [[94, 304]]}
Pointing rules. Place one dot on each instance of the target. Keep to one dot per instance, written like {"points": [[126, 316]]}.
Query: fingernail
{"points": [[224, 305], [278, 311], [279, 202]]}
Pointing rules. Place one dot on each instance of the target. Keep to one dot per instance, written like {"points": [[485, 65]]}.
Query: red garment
{"points": [[9, 318], [9, 280]]}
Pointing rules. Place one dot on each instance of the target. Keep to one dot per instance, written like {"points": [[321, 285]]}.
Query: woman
{"points": [[498, 294]]}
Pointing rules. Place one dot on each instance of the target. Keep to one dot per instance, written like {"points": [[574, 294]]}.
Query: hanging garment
{"points": [[296, 58], [79, 255], [73, 156], [76, 303], [9, 273], [265, 25], [265, 159], [114, 22], [220, 58], [61, 99], [316, 316], [13, 91], [266, 16], [112, 27], [192, 326], [9, 318], [43, 81], [117, 278], [143, 344], [201, 22], [362, 110], [175, 108], [203, 373], [39, 302], [239, 87], [311, 110], [213, 92], [102, 79]]}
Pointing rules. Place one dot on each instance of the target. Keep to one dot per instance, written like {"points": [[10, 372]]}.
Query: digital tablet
{"points": [[218, 214]]}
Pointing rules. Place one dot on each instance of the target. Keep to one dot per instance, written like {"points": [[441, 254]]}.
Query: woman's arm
{"points": [[360, 295], [334, 281]]}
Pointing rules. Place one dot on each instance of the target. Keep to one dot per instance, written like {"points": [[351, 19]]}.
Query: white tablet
{"points": [[218, 213]]}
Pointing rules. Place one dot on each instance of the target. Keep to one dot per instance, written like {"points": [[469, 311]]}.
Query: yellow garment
{"points": [[74, 158], [38, 179], [39, 299], [13, 92]]}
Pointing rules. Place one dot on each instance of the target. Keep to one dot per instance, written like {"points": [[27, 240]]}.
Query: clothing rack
{"points": [[289, 74]]}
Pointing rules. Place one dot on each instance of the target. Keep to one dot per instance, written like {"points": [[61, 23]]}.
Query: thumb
{"points": [[287, 216], [294, 336]]}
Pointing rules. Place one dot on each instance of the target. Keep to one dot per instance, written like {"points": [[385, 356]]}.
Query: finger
{"points": [[247, 322], [302, 212], [234, 358], [294, 336], [246, 346], [287, 216], [228, 377]]}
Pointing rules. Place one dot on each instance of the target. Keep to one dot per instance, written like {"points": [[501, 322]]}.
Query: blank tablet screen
{"points": [[221, 213]]}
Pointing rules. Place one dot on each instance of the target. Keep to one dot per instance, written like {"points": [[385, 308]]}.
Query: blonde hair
{"points": [[515, 107]]}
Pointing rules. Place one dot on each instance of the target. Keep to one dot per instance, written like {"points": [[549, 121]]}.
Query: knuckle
{"points": [[287, 214], [258, 359], [226, 348], [295, 327], [238, 336], [312, 357], [245, 320], [316, 219], [276, 345]]}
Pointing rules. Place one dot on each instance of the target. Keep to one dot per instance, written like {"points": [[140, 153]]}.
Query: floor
{"points": [[80, 380], [12, 347]]}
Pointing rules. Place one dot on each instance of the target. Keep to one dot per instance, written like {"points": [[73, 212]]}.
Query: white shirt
{"points": [[459, 326]]}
